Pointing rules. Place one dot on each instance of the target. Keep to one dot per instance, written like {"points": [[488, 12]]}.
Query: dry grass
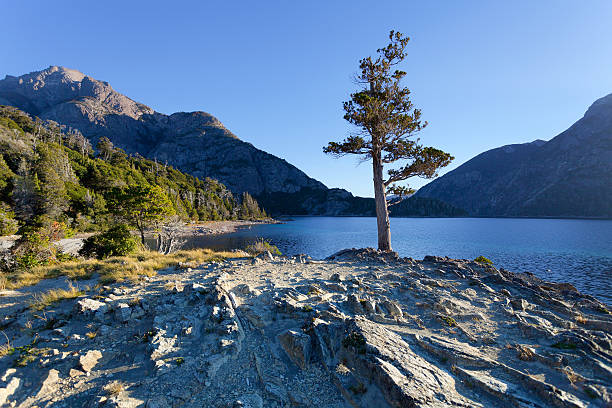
{"points": [[46, 299], [116, 269], [6, 349], [114, 388], [572, 376], [3, 281], [581, 319], [524, 353]]}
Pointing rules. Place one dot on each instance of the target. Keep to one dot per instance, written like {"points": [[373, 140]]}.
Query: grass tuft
{"points": [[46, 299], [114, 388], [483, 260], [449, 321], [6, 349], [260, 246]]}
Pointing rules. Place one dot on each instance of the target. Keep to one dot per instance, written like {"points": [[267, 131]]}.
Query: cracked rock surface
{"points": [[360, 329]]}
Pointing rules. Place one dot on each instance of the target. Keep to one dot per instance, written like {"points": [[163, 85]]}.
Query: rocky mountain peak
{"points": [[40, 91], [601, 107]]}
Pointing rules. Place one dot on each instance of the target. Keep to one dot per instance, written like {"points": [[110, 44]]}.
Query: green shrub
{"points": [[34, 248], [260, 246], [8, 223], [481, 259], [115, 241]]}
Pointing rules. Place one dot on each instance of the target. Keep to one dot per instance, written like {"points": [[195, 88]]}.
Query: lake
{"points": [[574, 251]]}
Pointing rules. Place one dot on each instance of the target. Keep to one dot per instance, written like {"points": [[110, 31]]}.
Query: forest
{"points": [[53, 183]]}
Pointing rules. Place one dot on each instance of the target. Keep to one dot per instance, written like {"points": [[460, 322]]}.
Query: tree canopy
{"points": [[388, 124], [141, 206]]}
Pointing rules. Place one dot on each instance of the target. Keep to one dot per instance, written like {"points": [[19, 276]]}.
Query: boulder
{"points": [[91, 307], [48, 385]]}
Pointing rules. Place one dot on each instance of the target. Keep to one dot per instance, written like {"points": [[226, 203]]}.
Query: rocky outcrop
{"points": [[568, 176], [362, 329]]}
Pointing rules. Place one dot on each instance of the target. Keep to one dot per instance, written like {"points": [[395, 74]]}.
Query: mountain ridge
{"points": [[567, 176], [94, 107]]}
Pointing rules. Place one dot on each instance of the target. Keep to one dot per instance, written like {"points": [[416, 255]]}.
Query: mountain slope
{"points": [[50, 174], [194, 142], [568, 176]]}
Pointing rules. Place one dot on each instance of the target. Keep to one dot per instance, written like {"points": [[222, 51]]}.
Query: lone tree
{"points": [[388, 123]]}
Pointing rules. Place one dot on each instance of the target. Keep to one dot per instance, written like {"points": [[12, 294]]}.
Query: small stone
{"points": [[335, 277], [249, 401], [75, 373], [123, 312], [91, 306], [89, 360]]}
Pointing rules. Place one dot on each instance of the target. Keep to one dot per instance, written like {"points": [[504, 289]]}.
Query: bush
{"points": [[8, 223], [115, 241], [34, 248], [260, 246], [481, 259]]}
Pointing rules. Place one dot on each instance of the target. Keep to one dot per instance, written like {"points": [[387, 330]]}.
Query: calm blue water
{"points": [[575, 251]]}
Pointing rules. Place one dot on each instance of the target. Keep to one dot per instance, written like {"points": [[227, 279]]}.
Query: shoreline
{"points": [[222, 227]]}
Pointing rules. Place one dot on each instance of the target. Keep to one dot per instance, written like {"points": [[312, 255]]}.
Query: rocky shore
{"points": [[222, 227], [360, 329]]}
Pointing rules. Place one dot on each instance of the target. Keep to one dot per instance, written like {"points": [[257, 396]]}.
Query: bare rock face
{"points": [[567, 176], [374, 354]]}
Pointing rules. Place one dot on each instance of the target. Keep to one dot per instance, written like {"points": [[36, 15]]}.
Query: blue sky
{"points": [[484, 73]]}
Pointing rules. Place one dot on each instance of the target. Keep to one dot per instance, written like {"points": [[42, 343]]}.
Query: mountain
{"points": [[568, 176], [194, 142]]}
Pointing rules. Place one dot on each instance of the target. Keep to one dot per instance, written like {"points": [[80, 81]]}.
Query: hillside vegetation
{"points": [[51, 171], [53, 184]]}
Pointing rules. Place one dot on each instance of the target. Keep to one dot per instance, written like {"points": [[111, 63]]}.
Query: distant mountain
{"points": [[194, 142], [568, 176]]}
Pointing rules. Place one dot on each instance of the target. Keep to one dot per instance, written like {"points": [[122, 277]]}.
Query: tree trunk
{"points": [[382, 212], [141, 230]]}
